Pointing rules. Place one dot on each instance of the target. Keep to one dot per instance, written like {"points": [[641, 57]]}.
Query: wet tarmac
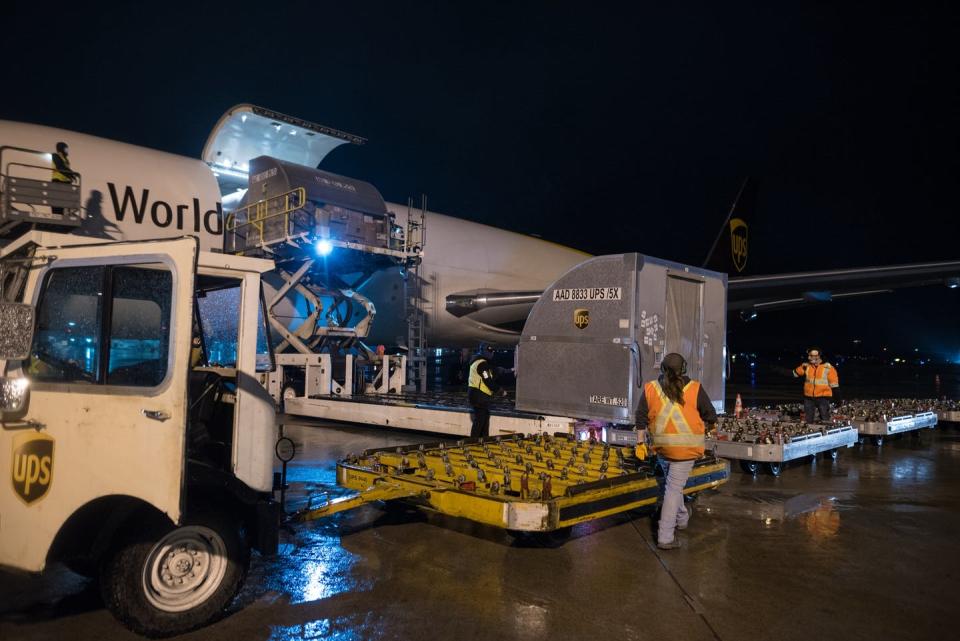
{"points": [[864, 547]]}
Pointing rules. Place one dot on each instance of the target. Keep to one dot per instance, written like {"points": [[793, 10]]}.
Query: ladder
{"points": [[413, 298]]}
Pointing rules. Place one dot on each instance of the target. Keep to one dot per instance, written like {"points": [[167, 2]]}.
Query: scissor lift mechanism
{"points": [[539, 483], [284, 228]]}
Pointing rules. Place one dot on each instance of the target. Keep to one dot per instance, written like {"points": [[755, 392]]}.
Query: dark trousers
{"points": [[480, 414], [59, 210], [812, 405]]}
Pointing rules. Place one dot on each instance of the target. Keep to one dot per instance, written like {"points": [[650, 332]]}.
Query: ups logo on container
{"points": [[581, 318], [32, 466], [738, 243]]}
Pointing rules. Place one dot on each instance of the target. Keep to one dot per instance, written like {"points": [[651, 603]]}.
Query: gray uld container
{"points": [[600, 331]]}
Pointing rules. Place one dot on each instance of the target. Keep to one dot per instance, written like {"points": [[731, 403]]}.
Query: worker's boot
{"points": [[669, 545]]}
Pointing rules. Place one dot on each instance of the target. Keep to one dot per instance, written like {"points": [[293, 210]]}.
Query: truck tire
{"points": [[164, 580]]}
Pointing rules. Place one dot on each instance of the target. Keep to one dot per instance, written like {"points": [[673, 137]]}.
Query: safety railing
{"points": [[27, 198], [264, 221]]}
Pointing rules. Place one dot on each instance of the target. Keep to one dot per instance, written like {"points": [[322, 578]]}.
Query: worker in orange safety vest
{"points": [[676, 409], [819, 382]]}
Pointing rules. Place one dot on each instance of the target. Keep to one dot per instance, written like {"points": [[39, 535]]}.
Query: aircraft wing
{"points": [[507, 309], [779, 291]]}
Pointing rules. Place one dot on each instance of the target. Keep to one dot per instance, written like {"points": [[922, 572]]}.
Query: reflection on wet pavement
{"points": [[858, 548]]}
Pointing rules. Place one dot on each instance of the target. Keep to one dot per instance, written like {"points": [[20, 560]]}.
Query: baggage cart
{"points": [[876, 431], [773, 456]]}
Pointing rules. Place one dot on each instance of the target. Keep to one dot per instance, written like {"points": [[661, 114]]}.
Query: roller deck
{"points": [[535, 483]]}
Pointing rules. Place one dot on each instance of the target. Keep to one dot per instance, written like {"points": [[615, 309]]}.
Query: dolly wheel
{"points": [[774, 468], [834, 454], [878, 440], [750, 467]]}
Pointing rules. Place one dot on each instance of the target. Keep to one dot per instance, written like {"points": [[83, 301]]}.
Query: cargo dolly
{"points": [[538, 483], [877, 430], [948, 416], [774, 455]]}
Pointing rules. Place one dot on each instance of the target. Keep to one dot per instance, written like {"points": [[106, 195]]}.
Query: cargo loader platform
{"points": [[526, 484], [437, 412]]}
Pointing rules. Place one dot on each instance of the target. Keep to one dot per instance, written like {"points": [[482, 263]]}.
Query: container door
{"points": [[684, 327]]}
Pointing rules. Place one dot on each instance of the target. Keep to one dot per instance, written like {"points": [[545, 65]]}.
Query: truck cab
{"points": [[135, 434]]}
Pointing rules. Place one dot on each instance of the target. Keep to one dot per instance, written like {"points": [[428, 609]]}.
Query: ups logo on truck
{"points": [[581, 318], [32, 466]]}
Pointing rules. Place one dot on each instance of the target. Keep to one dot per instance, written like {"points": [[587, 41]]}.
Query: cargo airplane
{"points": [[478, 282]]}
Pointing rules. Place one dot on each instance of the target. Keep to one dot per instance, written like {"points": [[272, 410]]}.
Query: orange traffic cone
{"points": [[738, 408]]}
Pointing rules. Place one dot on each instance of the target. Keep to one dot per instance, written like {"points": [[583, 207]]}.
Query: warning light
{"points": [[324, 247]]}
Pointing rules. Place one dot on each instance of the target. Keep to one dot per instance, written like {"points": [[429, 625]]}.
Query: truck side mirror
{"points": [[16, 331], [16, 337]]}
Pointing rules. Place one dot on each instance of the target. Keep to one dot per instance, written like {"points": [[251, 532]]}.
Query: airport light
{"points": [[324, 247], [953, 283]]}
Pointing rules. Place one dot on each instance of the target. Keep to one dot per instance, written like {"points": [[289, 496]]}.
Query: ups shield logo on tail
{"points": [[738, 243], [581, 318], [32, 466]]}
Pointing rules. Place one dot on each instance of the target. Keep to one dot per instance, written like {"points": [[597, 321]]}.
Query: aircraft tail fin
{"points": [[729, 251]]}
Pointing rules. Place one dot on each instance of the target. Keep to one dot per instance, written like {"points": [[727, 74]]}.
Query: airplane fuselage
{"points": [[135, 193]]}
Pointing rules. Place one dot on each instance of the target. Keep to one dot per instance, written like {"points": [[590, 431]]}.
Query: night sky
{"points": [[603, 130]]}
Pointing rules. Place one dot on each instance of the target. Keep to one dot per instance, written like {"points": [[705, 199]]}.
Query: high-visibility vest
{"points": [[818, 381], [59, 177], [677, 430], [476, 381]]}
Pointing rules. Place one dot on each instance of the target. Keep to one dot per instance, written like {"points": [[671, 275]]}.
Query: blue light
{"points": [[324, 247]]}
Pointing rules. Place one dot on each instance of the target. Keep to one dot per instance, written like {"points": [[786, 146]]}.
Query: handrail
{"points": [[292, 201], [50, 169], [5, 172], [27, 151]]}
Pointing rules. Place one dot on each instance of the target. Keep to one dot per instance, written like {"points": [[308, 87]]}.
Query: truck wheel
{"points": [[878, 440], [834, 454], [774, 468], [164, 580]]}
